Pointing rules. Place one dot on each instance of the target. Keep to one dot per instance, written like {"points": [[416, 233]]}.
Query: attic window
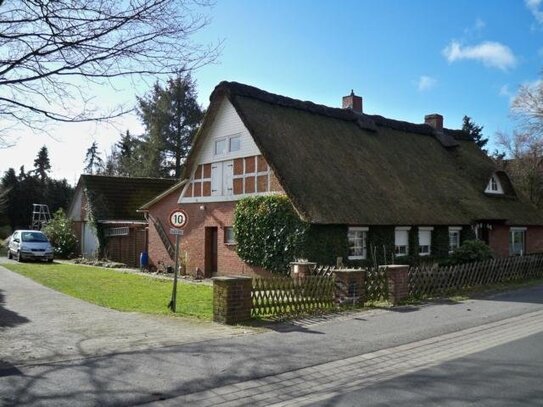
{"points": [[494, 186]]}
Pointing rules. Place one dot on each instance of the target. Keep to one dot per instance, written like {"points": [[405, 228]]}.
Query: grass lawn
{"points": [[120, 291]]}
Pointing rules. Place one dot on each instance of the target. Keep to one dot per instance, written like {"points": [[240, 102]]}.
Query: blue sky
{"points": [[406, 58]]}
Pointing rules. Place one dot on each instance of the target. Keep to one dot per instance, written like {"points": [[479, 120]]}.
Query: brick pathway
{"points": [[321, 382]]}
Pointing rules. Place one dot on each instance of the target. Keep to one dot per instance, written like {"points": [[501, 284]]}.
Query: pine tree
{"points": [[475, 131], [171, 116], [42, 164], [93, 161]]}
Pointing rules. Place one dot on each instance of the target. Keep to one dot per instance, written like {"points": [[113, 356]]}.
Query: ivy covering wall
{"points": [[270, 234]]}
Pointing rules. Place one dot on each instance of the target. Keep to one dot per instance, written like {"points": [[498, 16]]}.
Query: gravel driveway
{"points": [[38, 324]]}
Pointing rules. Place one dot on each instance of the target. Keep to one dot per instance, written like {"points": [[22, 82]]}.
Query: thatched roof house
{"points": [[343, 167], [409, 189]]}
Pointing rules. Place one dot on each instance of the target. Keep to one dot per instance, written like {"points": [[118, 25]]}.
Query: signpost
{"points": [[178, 220]]}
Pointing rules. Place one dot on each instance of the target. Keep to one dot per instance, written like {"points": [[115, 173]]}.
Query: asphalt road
{"points": [[148, 376], [507, 375]]}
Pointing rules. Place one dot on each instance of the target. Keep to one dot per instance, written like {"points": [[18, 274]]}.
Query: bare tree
{"points": [[54, 52], [527, 106], [524, 163]]}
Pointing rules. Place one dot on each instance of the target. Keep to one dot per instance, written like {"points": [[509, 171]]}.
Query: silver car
{"points": [[30, 245]]}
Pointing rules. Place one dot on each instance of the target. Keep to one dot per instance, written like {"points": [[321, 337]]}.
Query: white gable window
{"points": [[234, 144], [454, 238], [357, 237], [494, 186], [517, 241], [425, 241], [220, 146], [225, 145], [401, 240]]}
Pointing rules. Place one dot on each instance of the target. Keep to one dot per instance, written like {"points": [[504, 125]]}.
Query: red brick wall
{"points": [[161, 210], [499, 240], [216, 214], [534, 239]]}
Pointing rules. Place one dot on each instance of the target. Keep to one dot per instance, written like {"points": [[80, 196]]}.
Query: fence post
{"points": [[398, 282], [350, 286], [232, 301]]}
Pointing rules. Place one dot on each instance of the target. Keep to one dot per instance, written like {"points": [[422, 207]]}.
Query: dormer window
{"points": [[494, 186]]}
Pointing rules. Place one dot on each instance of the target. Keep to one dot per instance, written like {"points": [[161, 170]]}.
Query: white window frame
{"points": [[225, 150], [237, 136], [398, 252], [227, 240], [512, 231], [120, 231], [425, 229], [364, 231], [494, 186], [454, 230], [227, 144]]}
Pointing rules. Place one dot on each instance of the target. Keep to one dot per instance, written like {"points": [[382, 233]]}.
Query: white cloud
{"points": [[535, 8], [504, 91], [426, 83], [492, 54]]}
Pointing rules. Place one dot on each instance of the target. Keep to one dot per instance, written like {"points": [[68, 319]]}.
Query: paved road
{"points": [[39, 324], [287, 362]]}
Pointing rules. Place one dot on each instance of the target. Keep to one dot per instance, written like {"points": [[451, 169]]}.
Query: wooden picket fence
{"points": [[280, 296], [435, 281]]}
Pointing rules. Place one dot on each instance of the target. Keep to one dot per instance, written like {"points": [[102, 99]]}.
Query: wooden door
{"points": [[211, 247]]}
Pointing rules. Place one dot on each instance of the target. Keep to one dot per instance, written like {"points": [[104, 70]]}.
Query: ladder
{"points": [[40, 216]]}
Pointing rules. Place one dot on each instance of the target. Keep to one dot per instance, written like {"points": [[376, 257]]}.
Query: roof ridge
{"points": [[364, 121]]}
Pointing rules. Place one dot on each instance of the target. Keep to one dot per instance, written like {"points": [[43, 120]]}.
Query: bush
{"points": [[268, 231], [471, 251], [60, 233]]}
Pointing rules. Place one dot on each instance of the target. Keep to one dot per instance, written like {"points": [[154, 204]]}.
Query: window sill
{"points": [[230, 244], [356, 258]]}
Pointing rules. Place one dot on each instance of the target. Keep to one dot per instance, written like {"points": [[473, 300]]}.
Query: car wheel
{"points": [[49, 260], [19, 258], [10, 256]]}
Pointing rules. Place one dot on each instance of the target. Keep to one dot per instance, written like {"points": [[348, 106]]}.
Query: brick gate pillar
{"points": [[398, 282], [350, 287], [232, 299]]}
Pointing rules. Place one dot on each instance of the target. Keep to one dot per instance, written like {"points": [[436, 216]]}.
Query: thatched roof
{"points": [[119, 198], [340, 167]]}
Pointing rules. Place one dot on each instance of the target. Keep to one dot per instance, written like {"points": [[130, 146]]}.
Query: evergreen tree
{"points": [[93, 161], [475, 131], [42, 164], [171, 116]]}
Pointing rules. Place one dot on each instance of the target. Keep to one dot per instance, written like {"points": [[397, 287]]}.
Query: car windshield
{"points": [[33, 237]]}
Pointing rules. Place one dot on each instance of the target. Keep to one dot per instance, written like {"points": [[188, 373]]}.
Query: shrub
{"points": [[471, 251], [269, 232], [59, 231]]}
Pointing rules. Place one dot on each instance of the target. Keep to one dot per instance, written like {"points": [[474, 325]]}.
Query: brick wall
{"points": [[499, 240], [213, 214], [534, 239]]}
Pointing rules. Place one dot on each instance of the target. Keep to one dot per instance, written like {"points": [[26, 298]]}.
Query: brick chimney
{"points": [[353, 102], [435, 120]]}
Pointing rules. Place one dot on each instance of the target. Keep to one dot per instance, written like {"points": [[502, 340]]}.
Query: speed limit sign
{"points": [[178, 218]]}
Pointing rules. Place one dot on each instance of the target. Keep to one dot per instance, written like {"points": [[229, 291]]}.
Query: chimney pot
{"points": [[353, 102], [435, 120]]}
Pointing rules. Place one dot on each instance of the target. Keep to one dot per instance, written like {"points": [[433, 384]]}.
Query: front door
{"points": [[210, 251]]}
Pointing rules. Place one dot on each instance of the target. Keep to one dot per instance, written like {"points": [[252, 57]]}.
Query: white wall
{"points": [[89, 244]]}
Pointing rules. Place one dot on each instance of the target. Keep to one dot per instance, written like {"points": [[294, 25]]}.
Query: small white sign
{"points": [[175, 231]]}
